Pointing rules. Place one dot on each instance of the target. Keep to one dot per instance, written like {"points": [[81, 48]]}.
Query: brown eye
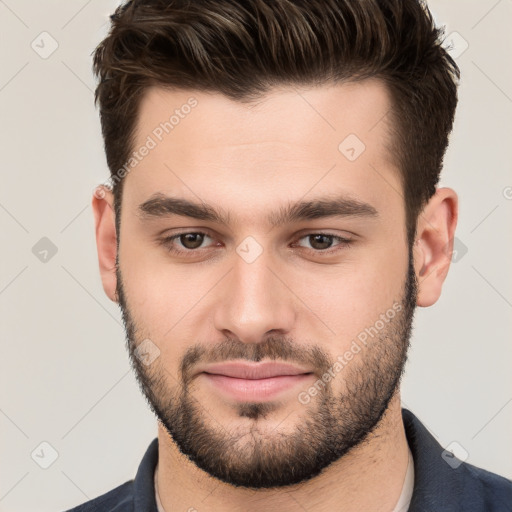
{"points": [[185, 244], [320, 242], [191, 240], [324, 243]]}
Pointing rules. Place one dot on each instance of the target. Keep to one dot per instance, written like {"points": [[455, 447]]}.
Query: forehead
{"points": [[289, 143], [287, 114]]}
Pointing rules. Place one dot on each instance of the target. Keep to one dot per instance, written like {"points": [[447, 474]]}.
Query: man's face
{"points": [[280, 339]]}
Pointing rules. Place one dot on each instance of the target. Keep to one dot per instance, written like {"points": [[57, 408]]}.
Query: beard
{"points": [[329, 426]]}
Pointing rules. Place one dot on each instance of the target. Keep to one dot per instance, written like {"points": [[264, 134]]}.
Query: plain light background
{"points": [[65, 375]]}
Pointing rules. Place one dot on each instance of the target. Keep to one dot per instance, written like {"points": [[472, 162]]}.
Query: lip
{"points": [[252, 371], [256, 382]]}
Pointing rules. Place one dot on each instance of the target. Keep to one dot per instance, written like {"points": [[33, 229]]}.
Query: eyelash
{"points": [[167, 242]]}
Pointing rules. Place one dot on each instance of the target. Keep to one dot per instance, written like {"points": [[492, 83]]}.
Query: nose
{"points": [[253, 302]]}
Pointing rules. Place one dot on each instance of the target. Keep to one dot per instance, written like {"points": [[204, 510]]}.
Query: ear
{"points": [[106, 239], [433, 246]]}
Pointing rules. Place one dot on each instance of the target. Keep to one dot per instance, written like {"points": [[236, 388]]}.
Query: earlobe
{"points": [[434, 244], [106, 238]]}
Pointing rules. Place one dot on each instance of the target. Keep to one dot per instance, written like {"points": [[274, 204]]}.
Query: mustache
{"points": [[272, 348]]}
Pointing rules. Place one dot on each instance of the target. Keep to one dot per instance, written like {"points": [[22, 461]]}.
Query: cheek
{"points": [[350, 298], [158, 295]]}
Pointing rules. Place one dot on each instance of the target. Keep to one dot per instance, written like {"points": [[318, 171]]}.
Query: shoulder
{"points": [[446, 484], [119, 499], [495, 490], [135, 495]]}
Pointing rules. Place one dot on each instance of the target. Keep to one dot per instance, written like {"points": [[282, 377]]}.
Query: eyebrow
{"points": [[161, 206]]}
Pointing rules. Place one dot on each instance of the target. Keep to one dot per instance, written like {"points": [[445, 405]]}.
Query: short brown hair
{"points": [[243, 48]]}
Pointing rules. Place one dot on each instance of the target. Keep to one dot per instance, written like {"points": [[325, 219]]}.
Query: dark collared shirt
{"points": [[442, 483]]}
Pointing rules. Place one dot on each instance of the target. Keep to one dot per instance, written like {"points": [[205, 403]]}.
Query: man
{"points": [[272, 223]]}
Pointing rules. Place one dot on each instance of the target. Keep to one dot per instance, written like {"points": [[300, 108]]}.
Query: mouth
{"points": [[256, 382]]}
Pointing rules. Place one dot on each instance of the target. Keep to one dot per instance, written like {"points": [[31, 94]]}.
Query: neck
{"points": [[369, 477]]}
